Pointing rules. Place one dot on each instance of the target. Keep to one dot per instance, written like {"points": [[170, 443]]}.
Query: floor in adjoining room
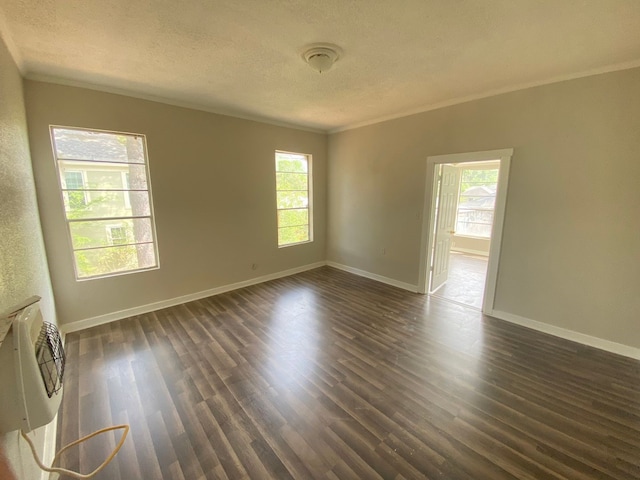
{"points": [[327, 375], [466, 279]]}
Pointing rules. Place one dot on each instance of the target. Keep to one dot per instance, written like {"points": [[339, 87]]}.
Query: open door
{"points": [[449, 180], [436, 237]]}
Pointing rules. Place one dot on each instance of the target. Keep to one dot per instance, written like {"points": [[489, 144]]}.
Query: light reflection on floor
{"points": [[466, 280], [460, 330], [294, 338]]}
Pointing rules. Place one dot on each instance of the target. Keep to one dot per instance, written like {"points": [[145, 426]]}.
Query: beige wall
{"points": [[571, 247], [213, 186], [478, 246], [23, 263]]}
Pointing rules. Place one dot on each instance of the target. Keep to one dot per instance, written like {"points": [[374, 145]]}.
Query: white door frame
{"points": [[428, 216]]}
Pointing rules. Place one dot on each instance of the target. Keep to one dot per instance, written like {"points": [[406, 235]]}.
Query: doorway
{"points": [[462, 226]]}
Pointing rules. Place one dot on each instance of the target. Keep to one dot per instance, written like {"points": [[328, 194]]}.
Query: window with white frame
{"points": [[105, 186], [476, 202], [294, 198]]}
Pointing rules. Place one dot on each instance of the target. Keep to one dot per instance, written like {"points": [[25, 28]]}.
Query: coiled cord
{"points": [[71, 473]]}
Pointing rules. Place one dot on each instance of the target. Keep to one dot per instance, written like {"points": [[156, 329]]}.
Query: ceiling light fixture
{"points": [[321, 56]]}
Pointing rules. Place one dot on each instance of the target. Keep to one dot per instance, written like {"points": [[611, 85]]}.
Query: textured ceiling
{"points": [[242, 57]]}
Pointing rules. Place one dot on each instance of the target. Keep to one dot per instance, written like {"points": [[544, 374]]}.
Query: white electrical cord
{"points": [[71, 473]]}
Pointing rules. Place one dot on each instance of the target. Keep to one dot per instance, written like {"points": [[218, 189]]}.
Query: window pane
{"points": [[103, 261], [103, 176], [471, 177], [104, 179], [98, 146], [110, 204], [473, 229], [291, 163], [290, 235], [293, 199], [293, 178], [96, 233], [293, 218], [74, 201], [476, 203], [104, 182], [291, 181]]}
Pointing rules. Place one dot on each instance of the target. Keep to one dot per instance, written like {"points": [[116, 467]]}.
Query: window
{"points": [[105, 187], [74, 183], [293, 190], [117, 235], [476, 202]]}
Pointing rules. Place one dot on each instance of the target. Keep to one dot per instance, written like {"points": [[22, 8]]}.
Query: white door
{"points": [[445, 224]]}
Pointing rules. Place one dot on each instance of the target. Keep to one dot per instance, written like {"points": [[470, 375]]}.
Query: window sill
{"points": [[117, 274], [471, 237], [294, 244]]}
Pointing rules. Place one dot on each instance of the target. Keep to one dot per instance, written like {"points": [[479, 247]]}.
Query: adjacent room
{"points": [[462, 227], [320, 240]]}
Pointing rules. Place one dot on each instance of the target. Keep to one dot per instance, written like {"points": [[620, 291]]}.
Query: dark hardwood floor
{"points": [[326, 375]]}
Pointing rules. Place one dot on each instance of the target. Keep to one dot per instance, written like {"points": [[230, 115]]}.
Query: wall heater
{"points": [[32, 362]]}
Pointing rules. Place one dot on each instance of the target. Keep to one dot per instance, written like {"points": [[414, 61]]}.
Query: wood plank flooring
{"points": [[326, 375], [466, 280]]}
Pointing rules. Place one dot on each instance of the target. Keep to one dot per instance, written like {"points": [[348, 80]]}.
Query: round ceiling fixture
{"points": [[321, 57]]}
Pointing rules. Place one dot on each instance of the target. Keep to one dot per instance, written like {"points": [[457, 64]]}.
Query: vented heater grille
{"points": [[50, 357], [32, 364]]}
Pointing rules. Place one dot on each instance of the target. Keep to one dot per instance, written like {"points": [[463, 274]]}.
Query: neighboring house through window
{"points": [[294, 198], [105, 185], [117, 234], [476, 202]]}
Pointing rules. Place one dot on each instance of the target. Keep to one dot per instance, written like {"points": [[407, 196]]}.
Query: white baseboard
{"points": [[374, 276], [151, 307], [574, 336], [578, 337]]}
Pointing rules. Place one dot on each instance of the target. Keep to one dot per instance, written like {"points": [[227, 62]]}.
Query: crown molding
{"points": [[490, 93], [168, 101]]}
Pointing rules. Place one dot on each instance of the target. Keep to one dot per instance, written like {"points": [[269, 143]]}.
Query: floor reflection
{"points": [[466, 279], [329, 375], [293, 337]]}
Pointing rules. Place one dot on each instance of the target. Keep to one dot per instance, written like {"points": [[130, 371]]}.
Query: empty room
{"points": [[320, 240]]}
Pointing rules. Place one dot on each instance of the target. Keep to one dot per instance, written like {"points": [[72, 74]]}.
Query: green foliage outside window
{"points": [[106, 199], [97, 261], [293, 201]]}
